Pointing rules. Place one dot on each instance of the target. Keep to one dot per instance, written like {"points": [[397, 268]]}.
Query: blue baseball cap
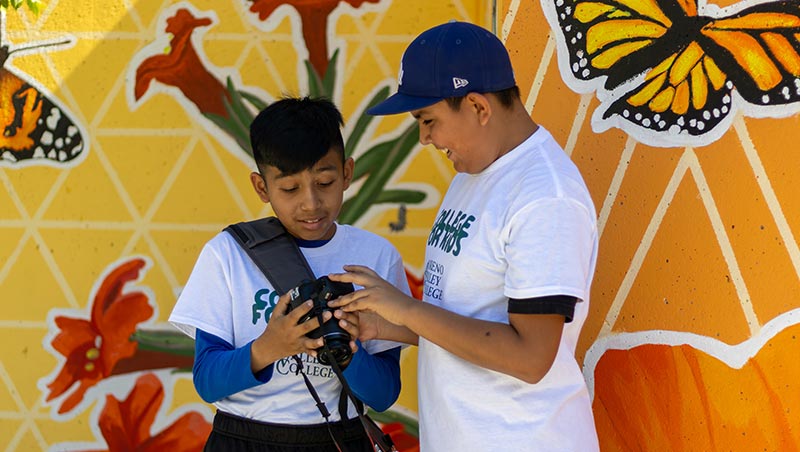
{"points": [[448, 60]]}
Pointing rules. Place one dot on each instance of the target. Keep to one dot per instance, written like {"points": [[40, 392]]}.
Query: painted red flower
{"points": [[403, 441], [182, 67], [126, 425], [93, 347], [314, 16], [415, 284]]}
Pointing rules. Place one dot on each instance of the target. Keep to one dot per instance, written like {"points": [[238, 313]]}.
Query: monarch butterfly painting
{"points": [[35, 129], [677, 71]]}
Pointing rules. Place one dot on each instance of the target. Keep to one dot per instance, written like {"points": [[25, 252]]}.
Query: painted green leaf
{"points": [[363, 122], [169, 341], [355, 207]]}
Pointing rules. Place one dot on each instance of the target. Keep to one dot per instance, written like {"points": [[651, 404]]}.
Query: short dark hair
{"points": [[293, 134], [506, 97]]}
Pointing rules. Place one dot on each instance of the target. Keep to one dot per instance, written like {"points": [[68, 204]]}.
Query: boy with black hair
{"points": [[508, 264], [244, 337]]}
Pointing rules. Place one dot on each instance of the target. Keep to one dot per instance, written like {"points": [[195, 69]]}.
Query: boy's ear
{"points": [[349, 166], [480, 105], [259, 186]]}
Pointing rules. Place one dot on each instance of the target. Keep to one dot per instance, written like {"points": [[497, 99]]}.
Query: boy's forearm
{"points": [[391, 332], [220, 370], [478, 341]]}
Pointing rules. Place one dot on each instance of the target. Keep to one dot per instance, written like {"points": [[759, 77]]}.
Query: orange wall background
{"points": [[692, 338]]}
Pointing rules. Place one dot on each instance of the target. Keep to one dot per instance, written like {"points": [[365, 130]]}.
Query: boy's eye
{"points": [[427, 122], [325, 183], [288, 189]]}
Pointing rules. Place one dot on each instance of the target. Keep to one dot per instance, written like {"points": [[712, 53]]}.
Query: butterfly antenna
{"points": [[38, 46], [6, 52]]}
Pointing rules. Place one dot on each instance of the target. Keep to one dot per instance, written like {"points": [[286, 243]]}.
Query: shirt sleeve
{"points": [[556, 304], [549, 250], [375, 379], [205, 301], [221, 370]]}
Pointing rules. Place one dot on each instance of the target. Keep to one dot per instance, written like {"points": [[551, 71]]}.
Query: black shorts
{"points": [[234, 433]]}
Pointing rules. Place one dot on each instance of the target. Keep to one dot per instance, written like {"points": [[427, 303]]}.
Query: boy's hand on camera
{"points": [[350, 323], [362, 325], [377, 296], [283, 336]]}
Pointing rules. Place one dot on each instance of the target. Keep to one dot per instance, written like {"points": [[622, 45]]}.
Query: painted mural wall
{"points": [[124, 150], [683, 117]]}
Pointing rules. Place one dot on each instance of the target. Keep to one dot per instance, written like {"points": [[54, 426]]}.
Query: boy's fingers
{"points": [[356, 274], [350, 302], [300, 311], [360, 270], [283, 304], [313, 323], [350, 327], [346, 316], [346, 277], [311, 346]]}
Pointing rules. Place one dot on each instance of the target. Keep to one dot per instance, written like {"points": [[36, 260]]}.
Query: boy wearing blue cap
{"points": [[508, 266]]}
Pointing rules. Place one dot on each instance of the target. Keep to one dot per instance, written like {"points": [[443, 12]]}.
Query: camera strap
{"points": [[277, 255], [273, 251], [379, 440]]}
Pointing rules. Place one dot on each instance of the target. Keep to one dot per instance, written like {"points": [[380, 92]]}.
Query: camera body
{"points": [[320, 292]]}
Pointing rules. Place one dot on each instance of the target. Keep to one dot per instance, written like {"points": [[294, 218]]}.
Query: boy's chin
{"points": [[315, 232]]}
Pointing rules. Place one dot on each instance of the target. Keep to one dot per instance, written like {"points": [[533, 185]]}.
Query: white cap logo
{"points": [[400, 75], [459, 82]]}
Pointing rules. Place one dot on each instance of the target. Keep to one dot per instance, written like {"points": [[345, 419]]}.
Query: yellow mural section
{"points": [[156, 179]]}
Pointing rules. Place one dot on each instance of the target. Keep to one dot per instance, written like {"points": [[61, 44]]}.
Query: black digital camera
{"points": [[320, 292]]}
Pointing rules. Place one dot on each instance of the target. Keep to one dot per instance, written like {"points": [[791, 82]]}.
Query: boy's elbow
{"points": [[394, 394], [204, 394], [207, 397], [534, 372], [531, 378], [201, 385]]}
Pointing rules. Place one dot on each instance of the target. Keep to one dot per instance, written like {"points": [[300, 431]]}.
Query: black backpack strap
{"points": [[274, 251]]}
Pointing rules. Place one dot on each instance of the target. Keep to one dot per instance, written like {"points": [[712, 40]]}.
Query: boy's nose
{"points": [[424, 136], [311, 200]]}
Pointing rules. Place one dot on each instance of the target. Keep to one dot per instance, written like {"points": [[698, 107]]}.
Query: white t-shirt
{"points": [[228, 296], [525, 227]]}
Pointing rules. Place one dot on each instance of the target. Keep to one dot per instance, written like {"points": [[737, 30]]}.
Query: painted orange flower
{"points": [[93, 347], [415, 284], [182, 67], [314, 16], [126, 425], [678, 397]]}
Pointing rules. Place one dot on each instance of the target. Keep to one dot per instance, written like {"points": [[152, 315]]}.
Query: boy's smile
{"points": [[308, 202], [454, 132]]}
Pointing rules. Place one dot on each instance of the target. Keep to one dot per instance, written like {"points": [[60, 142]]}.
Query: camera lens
{"points": [[339, 349]]}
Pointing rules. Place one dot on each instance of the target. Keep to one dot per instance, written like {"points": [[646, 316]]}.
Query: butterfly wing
{"points": [[759, 49], [667, 67], [687, 93], [34, 127], [616, 39]]}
